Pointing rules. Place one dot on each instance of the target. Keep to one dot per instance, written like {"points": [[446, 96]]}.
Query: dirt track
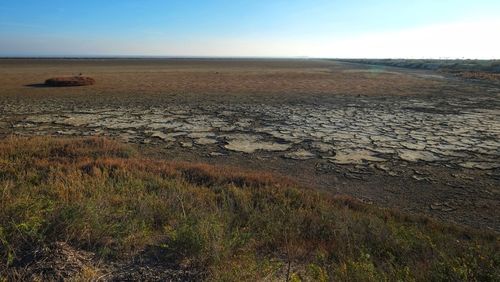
{"points": [[413, 140]]}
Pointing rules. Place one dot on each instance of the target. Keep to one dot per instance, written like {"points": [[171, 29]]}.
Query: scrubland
{"points": [[114, 207]]}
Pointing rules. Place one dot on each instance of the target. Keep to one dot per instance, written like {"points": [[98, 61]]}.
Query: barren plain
{"points": [[418, 141]]}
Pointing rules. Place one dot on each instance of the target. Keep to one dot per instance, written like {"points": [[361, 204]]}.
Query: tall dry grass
{"points": [[103, 197]]}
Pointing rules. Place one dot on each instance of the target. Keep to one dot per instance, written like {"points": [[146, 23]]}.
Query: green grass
{"points": [[103, 197]]}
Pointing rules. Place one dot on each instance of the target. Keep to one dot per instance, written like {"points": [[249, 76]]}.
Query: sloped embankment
{"points": [[96, 209]]}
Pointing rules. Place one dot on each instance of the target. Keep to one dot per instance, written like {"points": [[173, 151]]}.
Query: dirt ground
{"points": [[413, 140]]}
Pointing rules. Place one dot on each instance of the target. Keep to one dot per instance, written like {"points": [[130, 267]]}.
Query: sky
{"points": [[252, 28]]}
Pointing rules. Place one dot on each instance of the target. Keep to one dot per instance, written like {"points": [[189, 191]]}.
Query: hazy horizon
{"points": [[251, 29]]}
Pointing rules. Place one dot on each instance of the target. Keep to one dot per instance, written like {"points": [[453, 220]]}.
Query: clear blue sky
{"points": [[314, 28]]}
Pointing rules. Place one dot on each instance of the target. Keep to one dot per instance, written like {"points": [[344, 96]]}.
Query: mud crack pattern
{"points": [[449, 132]]}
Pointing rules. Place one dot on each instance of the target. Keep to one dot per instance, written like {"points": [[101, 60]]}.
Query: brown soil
{"points": [[212, 80]]}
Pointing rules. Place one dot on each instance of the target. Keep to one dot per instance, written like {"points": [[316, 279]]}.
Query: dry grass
{"points": [[479, 75], [102, 197]]}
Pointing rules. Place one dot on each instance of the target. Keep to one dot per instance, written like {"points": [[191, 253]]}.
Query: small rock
{"points": [[420, 178], [188, 144], [300, 154]]}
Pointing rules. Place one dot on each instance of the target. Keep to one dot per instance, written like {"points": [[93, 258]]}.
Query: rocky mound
{"points": [[69, 81]]}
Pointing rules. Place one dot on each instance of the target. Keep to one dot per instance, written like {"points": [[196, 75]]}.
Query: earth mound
{"points": [[69, 81]]}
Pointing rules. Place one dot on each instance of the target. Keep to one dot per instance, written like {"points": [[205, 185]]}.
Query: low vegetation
{"points": [[96, 196], [471, 69], [479, 75]]}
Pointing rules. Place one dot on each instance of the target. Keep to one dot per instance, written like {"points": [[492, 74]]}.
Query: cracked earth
{"points": [[358, 131], [437, 154]]}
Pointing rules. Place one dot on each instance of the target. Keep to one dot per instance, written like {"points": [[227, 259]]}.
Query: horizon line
{"points": [[81, 57]]}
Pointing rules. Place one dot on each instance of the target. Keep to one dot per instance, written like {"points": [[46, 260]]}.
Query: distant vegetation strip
{"points": [[101, 197], [490, 66]]}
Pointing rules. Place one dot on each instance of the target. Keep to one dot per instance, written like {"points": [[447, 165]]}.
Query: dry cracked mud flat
{"points": [[433, 154]]}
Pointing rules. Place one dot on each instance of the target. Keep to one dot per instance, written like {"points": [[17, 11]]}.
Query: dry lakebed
{"points": [[418, 141]]}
